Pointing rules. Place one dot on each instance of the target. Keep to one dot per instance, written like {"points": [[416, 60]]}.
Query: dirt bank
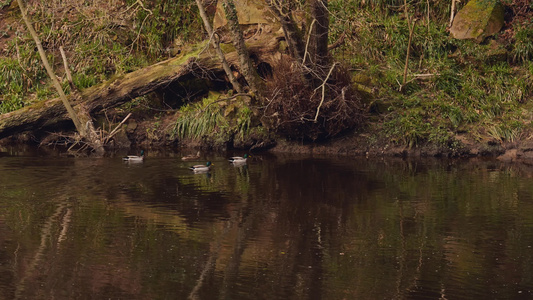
{"points": [[147, 132]]}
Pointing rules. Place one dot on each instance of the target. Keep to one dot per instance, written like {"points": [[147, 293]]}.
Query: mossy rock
{"points": [[364, 84], [478, 20]]}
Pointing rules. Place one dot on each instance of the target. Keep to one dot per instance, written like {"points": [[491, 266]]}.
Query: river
{"points": [[279, 227]]}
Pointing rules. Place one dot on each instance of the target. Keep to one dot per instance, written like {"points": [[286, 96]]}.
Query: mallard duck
{"points": [[201, 168], [191, 157], [238, 159], [134, 158]]}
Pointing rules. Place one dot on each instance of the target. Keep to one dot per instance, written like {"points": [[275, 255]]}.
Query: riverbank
{"points": [[141, 135]]}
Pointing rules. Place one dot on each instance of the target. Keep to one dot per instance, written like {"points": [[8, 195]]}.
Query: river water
{"points": [[279, 227]]}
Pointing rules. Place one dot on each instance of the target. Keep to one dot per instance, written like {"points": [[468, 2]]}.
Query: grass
{"points": [[213, 120], [523, 45], [479, 89]]}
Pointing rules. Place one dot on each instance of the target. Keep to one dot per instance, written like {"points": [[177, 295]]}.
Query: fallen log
{"points": [[124, 88], [107, 95]]}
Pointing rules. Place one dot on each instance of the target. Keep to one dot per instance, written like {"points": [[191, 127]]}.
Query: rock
{"points": [[131, 126], [249, 12], [509, 155], [477, 20], [120, 140]]}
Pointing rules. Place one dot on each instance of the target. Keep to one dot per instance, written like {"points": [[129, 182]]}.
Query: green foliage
{"points": [[100, 40], [4, 3], [17, 79], [166, 22], [11, 103], [505, 131], [82, 81], [199, 120]]}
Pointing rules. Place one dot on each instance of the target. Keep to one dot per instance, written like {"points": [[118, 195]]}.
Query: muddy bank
{"points": [[361, 145], [142, 132]]}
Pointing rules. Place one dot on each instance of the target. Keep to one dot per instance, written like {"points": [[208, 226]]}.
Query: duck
{"points": [[238, 159], [191, 156], [201, 168], [134, 158]]}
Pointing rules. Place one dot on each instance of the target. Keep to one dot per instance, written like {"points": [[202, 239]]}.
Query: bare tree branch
{"points": [[323, 86]]}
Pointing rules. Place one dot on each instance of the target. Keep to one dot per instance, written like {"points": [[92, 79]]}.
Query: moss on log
{"points": [[124, 88], [107, 95]]}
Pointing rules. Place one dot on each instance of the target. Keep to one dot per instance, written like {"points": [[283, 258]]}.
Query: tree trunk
{"points": [[318, 34], [236, 85], [311, 51], [245, 62], [293, 34]]}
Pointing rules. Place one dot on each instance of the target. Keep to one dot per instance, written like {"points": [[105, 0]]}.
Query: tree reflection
{"points": [[279, 228]]}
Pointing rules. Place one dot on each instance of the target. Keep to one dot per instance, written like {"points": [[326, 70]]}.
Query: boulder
{"points": [[477, 20]]}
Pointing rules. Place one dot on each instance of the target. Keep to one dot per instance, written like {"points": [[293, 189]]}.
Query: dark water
{"points": [[281, 227]]}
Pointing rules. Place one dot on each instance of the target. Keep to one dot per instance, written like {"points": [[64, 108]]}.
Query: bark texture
{"points": [[247, 68]]}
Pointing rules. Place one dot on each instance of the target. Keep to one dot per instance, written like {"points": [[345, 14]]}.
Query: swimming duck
{"points": [[201, 168], [191, 156], [134, 158], [238, 159]]}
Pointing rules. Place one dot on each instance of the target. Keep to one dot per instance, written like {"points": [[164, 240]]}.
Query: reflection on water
{"points": [[278, 227]]}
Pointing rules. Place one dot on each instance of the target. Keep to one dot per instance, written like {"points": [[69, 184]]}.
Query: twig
{"points": [[67, 70], [338, 42], [216, 45], [411, 30], [308, 40], [72, 114], [323, 86], [452, 13], [142, 23], [425, 75], [114, 131]]}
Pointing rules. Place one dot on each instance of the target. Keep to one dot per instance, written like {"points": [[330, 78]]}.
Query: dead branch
{"points": [[338, 42], [216, 45], [51, 73], [114, 131], [411, 31], [452, 13], [323, 87], [308, 40], [67, 69]]}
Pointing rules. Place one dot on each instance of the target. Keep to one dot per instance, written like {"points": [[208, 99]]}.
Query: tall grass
{"points": [[523, 44], [200, 120], [214, 120]]}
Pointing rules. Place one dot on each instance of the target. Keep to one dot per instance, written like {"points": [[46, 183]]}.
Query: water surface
{"points": [[279, 227]]}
